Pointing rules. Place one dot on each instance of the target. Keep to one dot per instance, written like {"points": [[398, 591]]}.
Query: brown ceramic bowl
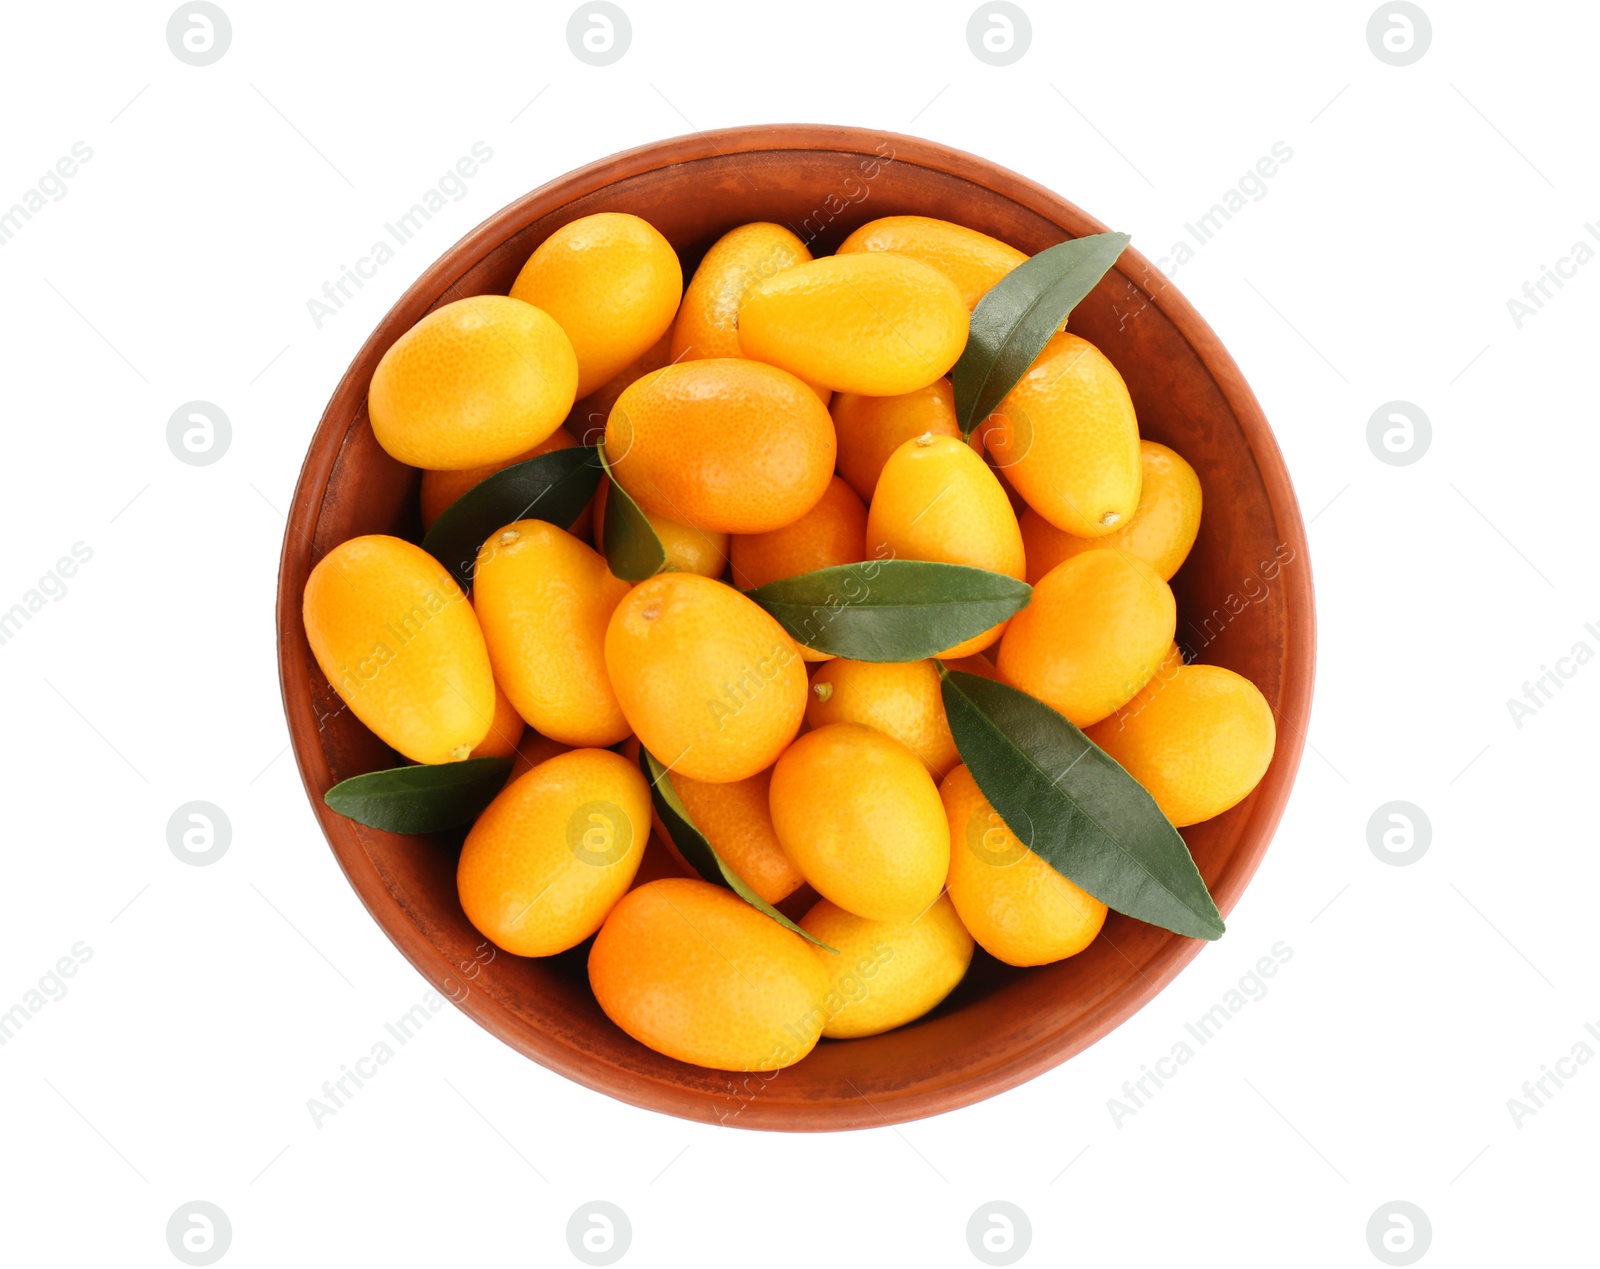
{"points": [[1244, 601]]}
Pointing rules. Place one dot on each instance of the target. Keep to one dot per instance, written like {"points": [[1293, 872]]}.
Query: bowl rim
{"points": [[1006, 1070]]}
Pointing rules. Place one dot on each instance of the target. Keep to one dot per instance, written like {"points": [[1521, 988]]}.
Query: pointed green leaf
{"points": [[421, 799], [627, 538], [891, 610], [694, 847], [553, 487], [1070, 802], [1015, 320]]}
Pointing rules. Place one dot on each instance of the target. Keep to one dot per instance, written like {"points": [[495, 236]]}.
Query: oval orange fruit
{"points": [[693, 971], [1199, 744], [544, 599], [937, 500], [476, 381], [1096, 629], [1161, 531], [554, 851], [401, 646], [724, 444], [871, 322], [973, 261], [1066, 437], [612, 283], [712, 685], [861, 818]]}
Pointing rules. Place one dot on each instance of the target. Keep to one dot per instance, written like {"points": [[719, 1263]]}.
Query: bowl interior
{"points": [[1244, 601]]}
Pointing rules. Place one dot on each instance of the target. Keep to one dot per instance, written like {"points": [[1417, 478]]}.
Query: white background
{"points": [[1377, 267]]}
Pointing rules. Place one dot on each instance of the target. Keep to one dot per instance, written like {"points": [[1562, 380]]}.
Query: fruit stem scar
{"points": [[460, 752], [1109, 519], [925, 440], [652, 610], [510, 535], [824, 691]]}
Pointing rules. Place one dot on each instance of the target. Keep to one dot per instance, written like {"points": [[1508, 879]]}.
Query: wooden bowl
{"points": [[1244, 601]]}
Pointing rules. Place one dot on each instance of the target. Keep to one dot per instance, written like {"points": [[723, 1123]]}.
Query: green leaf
{"points": [[891, 610], [421, 799], [628, 540], [1068, 800], [694, 847], [1015, 320], [553, 487]]}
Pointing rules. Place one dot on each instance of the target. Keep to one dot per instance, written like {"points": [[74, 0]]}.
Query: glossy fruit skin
{"points": [[708, 319], [400, 644], [612, 282], [901, 699], [693, 971], [476, 381], [1097, 627], [441, 488], [688, 549], [724, 444], [554, 851], [1067, 438], [860, 816], [1164, 674], [937, 500], [973, 261], [1199, 744], [712, 685], [737, 820], [833, 532], [887, 973], [1161, 531], [869, 322], [506, 730], [1019, 909], [543, 599], [869, 429]]}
